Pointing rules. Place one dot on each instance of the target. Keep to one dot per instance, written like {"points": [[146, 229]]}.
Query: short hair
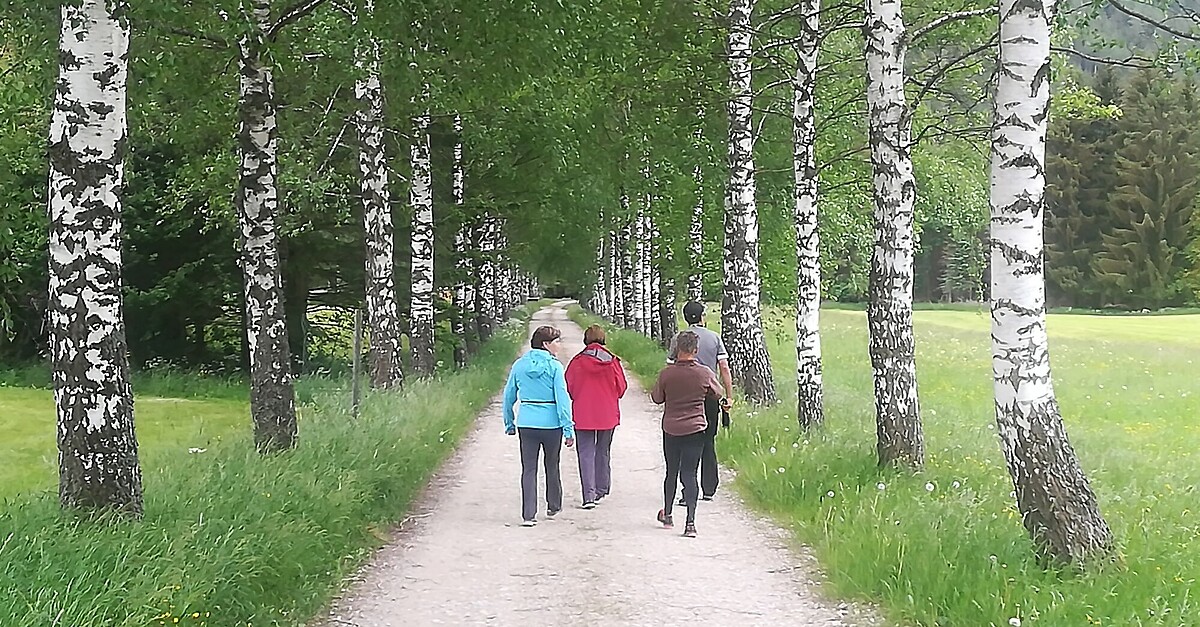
{"points": [[687, 342], [544, 335], [594, 335], [693, 312]]}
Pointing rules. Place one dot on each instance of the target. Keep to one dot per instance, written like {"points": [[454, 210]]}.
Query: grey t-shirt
{"points": [[712, 349]]}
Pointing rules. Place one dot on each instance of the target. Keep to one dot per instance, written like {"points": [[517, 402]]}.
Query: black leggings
{"points": [[682, 453]]}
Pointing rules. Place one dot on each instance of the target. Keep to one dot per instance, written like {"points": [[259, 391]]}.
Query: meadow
{"points": [[945, 546], [229, 538]]}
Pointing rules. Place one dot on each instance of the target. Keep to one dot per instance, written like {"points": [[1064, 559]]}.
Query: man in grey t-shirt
{"points": [[712, 354]]}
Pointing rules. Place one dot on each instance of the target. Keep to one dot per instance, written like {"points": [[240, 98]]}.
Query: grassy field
{"points": [[945, 547], [166, 427], [230, 538]]}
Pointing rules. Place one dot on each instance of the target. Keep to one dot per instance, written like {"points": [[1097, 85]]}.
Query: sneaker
{"points": [[551, 513], [599, 497], [666, 520], [528, 523], [681, 502], [689, 530], [707, 497], [589, 505]]}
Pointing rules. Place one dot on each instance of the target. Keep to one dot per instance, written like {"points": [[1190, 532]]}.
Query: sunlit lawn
{"points": [[166, 427], [946, 547]]}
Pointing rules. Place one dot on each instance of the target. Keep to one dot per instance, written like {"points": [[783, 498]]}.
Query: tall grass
{"points": [[232, 538], [946, 547]]}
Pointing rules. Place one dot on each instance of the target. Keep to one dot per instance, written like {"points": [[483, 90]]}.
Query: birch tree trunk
{"points": [[462, 343], [615, 296], [421, 199], [741, 312], [810, 410], [382, 311], [1057, 503], [598, 288], [484, 279], [628, 315], [272, 398], [97, 446], [889, 314], [695, 280], [501, 291]]}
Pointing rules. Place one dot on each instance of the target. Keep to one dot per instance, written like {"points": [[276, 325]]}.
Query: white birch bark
{"points": [[383, 321], [272, 398], [97, 445], [599, 291], [695, 281], [643, 270], [741, 309], [485, 323], [1057, 504], [629, 300], [462, 298], [615, 300], [501, 292], [889, 314], [421, 199], [810, 410]]}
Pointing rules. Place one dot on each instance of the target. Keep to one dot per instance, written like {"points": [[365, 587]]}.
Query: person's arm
{"points": [[656, 394], [723, 366], [510, 398], [572, 378], [622, 383], [562, 401], [726, 377]]}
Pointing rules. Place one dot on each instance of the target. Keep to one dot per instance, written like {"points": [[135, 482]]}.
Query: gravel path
{"points": [[464, 559]]}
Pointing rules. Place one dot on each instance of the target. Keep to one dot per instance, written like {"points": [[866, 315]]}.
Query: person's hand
{"points": [[726, 403], [570, 442]]}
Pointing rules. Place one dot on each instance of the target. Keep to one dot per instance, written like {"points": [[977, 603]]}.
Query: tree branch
{"points": [[1128, 62], [951, 17], [291, 15], [1153, 22]]}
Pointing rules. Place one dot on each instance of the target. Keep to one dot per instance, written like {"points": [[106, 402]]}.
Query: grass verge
{"points": [[945, 547], [234, 539]]}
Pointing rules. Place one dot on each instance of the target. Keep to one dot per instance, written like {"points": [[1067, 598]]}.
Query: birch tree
{"points": [[695, 277], [97, 447], [272, 399], [421, 199], [741, 310], [462, 342], [382, 312], [629, 298], [1057, 504], [889, 313], [810, 395]]}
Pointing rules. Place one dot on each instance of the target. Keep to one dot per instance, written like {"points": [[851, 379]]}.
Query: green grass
{"points": [[166, 429], [230, 537], [945, 547]]}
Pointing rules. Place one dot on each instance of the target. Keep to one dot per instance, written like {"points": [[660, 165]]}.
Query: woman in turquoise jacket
{"points": [[537, 381]]}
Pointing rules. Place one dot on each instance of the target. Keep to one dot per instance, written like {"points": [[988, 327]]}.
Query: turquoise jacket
{"points": [[537, 380]]}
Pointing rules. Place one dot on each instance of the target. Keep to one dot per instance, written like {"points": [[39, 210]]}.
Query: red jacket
{"points": [[595, 381]]}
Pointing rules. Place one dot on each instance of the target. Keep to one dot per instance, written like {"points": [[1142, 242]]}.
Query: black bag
{"points": [[725, 418]]}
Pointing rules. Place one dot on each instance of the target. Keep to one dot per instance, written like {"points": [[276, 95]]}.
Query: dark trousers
{"points": [[709, 477], [548, 442], [682, 453], [594, 448]]}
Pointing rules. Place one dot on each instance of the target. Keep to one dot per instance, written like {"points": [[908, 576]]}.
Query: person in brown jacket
{"points": [[681, 389]]}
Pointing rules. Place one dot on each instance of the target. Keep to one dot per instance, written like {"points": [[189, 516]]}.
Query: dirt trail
{"points": [[466, 560]]}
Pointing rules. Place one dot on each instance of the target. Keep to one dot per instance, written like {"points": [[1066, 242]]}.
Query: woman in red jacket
{"points": [[596, 382]]}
